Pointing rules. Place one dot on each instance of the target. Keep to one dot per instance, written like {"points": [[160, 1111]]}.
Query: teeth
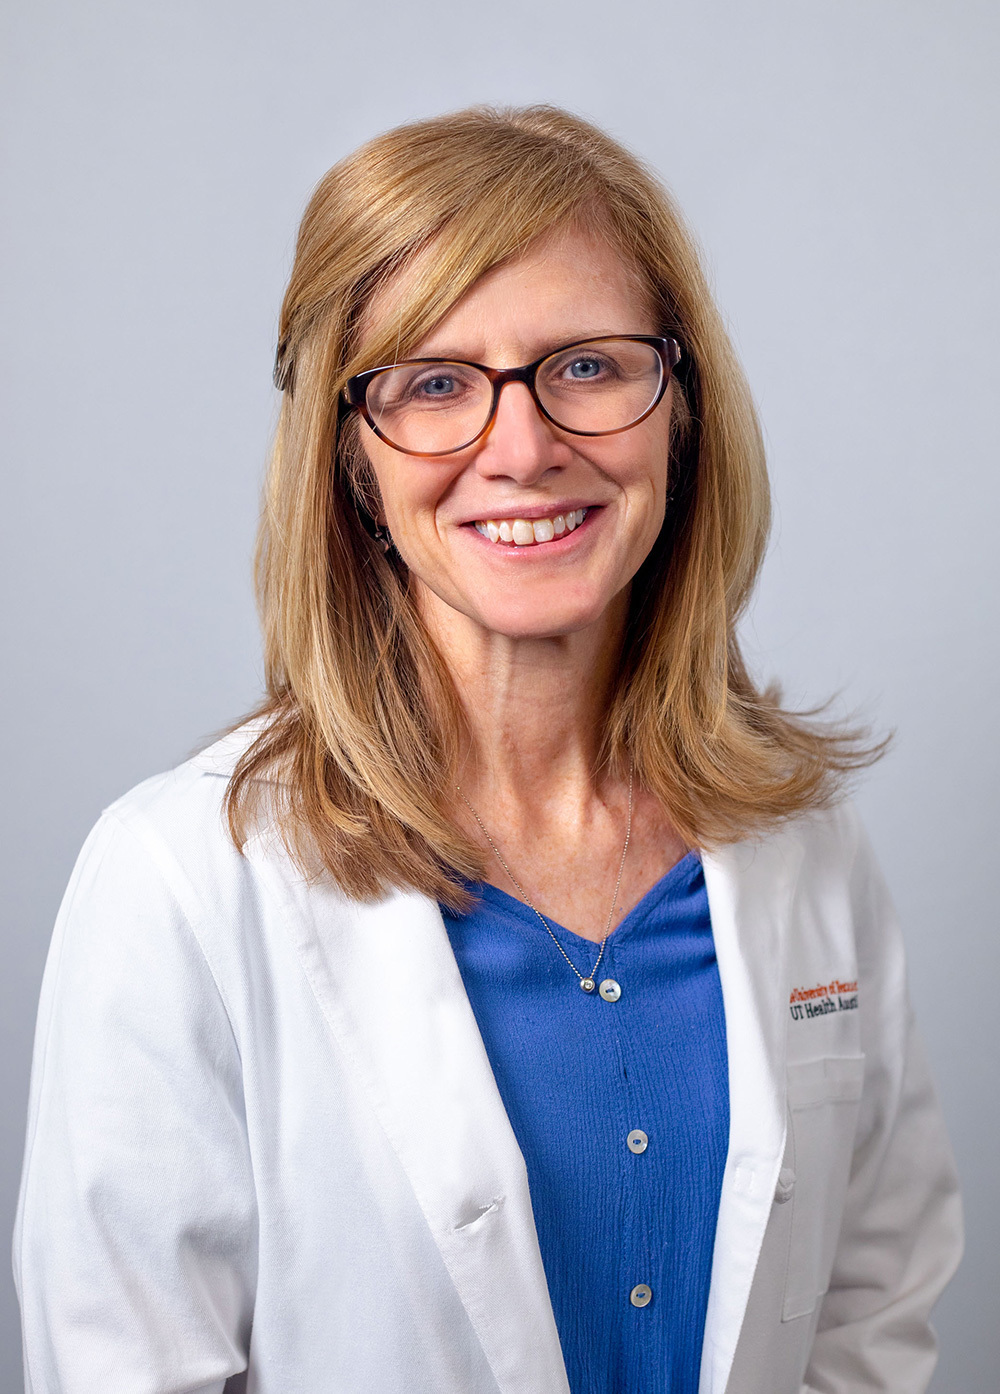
{"points": [[523, 533]]}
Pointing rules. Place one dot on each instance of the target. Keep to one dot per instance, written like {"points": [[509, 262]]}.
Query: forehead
{"points": [[570, 284]]}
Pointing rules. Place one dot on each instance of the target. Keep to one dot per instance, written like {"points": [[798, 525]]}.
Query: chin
{"points": [[538, 623]]}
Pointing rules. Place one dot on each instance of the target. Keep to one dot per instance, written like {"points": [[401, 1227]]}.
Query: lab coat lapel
{"points": [[387, 982], [750, 889]]}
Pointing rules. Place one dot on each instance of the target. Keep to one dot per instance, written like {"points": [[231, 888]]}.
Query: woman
{"points": [[512, 1003]]}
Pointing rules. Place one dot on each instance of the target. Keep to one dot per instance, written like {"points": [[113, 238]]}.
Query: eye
{"points": [[581, 367], [584, 367], [440, 385]]}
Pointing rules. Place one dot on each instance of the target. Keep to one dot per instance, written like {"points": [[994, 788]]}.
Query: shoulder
{"points": [[828, 850], [818, 849], [827, 839], [817, 876], [836, 870], [164, 848], [841, 920], [838, 862], [182, 810]]}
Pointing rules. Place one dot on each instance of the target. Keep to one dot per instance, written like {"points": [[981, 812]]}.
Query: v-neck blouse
{"points": [[621, 1110]]}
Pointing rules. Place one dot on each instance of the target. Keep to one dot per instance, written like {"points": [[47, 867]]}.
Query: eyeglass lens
{"points": [[435, 408]]}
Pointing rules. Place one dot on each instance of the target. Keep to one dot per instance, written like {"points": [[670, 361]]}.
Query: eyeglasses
{"points": [[436, 406]]}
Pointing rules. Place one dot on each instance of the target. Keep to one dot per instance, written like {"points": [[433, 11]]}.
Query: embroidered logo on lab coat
{"points": [[821, 1000]]}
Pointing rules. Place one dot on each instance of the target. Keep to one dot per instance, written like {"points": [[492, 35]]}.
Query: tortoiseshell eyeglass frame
{"points": [[356, 391]]}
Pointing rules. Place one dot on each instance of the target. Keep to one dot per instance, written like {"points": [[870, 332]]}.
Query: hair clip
{"points": [[283, 366]]}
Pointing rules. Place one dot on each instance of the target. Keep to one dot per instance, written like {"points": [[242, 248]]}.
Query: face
{"points": [[526, 474]]}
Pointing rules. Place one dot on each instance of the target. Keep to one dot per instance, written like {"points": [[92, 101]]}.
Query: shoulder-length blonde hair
{"points": [[361, 727]]}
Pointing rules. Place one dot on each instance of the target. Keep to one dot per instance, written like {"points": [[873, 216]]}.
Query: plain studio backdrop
{"points": [[837, 162]]}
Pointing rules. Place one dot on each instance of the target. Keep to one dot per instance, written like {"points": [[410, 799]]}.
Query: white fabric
{"points": [[264, 1135]]}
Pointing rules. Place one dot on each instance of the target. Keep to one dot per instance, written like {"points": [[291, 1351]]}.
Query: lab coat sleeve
{"points": [[134, 1250], [901, 1237]]}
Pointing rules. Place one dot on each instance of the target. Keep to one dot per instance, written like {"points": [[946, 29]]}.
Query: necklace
{"points": [[587, 983]]}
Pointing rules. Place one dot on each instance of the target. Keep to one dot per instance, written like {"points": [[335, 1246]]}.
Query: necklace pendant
{"points": [[587, 984]]}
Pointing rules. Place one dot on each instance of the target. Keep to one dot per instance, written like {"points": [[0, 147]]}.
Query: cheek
{"points": [[410, 491], [397, 481], [640, 466]]}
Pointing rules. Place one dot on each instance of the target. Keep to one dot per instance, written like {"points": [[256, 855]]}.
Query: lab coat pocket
{"points": [[823, 1100]]}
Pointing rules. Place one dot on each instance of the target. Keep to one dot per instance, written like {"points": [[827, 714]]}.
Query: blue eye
{"points": [[439, 386], [584, 368]]}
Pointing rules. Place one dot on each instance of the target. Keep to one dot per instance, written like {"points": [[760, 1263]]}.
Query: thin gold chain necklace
{"points": [[587, 983]]}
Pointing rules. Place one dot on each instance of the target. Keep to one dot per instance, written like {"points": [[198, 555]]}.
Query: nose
{"points": [[520, 443]]}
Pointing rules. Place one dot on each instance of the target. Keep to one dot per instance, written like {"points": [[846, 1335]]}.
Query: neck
{"points": [[535, 708], [535, 712]]}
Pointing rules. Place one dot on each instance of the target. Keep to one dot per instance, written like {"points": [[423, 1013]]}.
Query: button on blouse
{"points": [[619, 1102]]}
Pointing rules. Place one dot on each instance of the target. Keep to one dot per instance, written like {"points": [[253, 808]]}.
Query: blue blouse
{"points": [[621, 1110]]}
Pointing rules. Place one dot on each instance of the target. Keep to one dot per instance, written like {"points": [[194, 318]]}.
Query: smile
{"points": [[524, 533]]}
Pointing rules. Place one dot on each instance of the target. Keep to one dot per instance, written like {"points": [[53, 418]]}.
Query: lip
{"points": [[539, 550], [532, 512]]}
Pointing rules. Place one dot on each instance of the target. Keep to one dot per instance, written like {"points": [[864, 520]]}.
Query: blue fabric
{"points": [[576, 1075]]}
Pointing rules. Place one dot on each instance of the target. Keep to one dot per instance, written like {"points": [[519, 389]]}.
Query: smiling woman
{"points": [[602, 483], [318, 1102], [504, 240]]}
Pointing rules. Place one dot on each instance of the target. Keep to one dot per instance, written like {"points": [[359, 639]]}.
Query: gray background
{"points": [[837, 162]]}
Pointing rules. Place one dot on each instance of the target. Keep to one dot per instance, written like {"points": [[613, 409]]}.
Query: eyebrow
{"points": [[549, 345]]}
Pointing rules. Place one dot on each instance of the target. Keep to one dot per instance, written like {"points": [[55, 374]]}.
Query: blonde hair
{"points": [[360, 723]]}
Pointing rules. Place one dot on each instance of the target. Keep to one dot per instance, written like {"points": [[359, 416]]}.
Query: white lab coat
{"points": [[264, 1134]]}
